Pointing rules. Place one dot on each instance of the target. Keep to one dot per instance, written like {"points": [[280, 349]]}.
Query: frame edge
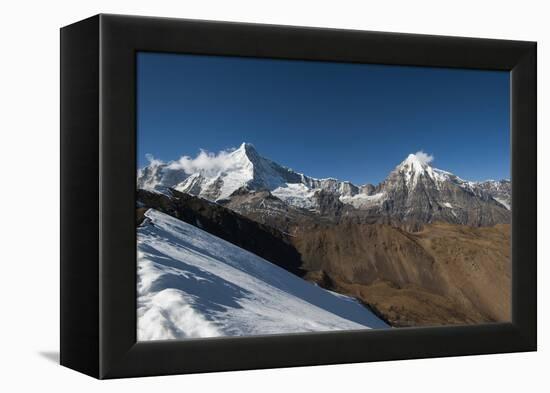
{"points": [[523, 124], [79, 127], [120, 357]]}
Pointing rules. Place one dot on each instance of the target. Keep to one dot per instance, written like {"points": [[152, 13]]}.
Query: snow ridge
{"points": [[193, 284]]}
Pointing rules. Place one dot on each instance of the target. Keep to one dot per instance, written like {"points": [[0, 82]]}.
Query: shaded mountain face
{"points": [[262, 240], [194, 284], [414, 193], [265, 208]]}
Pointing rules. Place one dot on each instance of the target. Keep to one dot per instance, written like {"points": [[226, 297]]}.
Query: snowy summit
{"points": [[217, 176]]}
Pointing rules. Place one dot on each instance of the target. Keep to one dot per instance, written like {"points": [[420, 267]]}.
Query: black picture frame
{"points": [[98, 184]]}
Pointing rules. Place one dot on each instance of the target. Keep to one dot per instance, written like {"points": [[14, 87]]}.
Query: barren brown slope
{"points": [[446, 274], [475, 263]]}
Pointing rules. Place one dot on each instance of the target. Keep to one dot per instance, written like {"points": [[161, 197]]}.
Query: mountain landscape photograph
{"points": [[284, 196]]}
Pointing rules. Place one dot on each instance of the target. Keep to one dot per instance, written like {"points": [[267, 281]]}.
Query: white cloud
{"points": [[425, 158], [207, 163], [152, 160]]}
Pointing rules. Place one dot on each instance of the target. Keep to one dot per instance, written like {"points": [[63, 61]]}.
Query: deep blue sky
{"points": [[349, 121]]}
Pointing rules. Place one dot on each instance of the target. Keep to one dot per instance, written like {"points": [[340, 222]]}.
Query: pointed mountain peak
{"points": [[249, 151], [418, 165], [245, 146], [412, 158], [416, 162], [419, 158]]}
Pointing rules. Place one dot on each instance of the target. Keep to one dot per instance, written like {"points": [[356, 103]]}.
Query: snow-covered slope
{"points": [[500, 190], [193, 284], [414, 167]]}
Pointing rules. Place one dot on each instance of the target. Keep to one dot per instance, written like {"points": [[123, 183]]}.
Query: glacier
{"points": [[192, 284]]}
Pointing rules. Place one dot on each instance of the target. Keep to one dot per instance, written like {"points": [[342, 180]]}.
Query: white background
{"points": [[29, 197]]}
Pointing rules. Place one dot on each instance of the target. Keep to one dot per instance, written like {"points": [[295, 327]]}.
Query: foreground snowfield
{"points": [[194, 284]]}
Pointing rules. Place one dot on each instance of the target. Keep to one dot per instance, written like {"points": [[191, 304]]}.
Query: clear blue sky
{"points": [[349, 121]]}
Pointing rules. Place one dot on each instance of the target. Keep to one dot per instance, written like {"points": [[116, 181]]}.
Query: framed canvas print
{"points": [[295, 196]]}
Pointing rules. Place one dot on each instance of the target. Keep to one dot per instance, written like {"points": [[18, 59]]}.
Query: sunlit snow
{"points": [[362, 201], [503, 202], [295, 194], [216, 176], [193, 284]]}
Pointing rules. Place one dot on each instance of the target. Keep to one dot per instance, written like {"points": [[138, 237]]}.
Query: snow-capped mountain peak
{"points": [[244, 154], [212, 175], [217, 176], [412, 167], [418, 165], [414, 162], [412, 183], [249, 150]]}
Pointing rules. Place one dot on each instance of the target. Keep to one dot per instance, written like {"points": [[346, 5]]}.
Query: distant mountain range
{"points": [[414, 193]]}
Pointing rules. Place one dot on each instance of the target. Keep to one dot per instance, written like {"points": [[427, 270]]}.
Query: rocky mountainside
{"points": [[414, 193], [499, 190], [444, 274], [264, 241]]}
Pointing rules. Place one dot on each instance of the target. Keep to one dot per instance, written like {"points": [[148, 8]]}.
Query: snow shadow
{"points": [[225, 293], [210, 293]]}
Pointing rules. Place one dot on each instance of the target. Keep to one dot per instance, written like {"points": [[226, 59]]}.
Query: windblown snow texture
{"points": [[193, 284]]}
